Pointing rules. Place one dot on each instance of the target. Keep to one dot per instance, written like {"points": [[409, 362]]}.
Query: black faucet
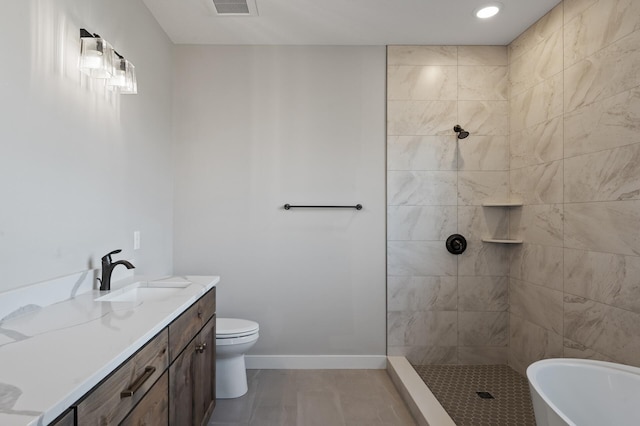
{"points": [[107, 268]]}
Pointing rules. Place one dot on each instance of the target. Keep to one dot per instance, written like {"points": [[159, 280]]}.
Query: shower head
{"points": [[460, 131]]}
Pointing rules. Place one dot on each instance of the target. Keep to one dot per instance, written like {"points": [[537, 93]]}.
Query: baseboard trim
{"points": [[316, 362]]}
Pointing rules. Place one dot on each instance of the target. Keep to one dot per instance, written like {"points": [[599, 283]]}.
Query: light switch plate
{"points": [[136, 240]]}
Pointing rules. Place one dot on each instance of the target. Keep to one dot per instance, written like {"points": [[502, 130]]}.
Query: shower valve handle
{"points": [[456, 244]]}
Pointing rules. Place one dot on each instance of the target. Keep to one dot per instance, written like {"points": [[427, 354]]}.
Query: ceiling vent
{"points": [[234, 7]]}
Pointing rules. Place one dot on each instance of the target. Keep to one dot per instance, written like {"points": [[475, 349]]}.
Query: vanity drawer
{"points": [[110, 401], [187, 325]]}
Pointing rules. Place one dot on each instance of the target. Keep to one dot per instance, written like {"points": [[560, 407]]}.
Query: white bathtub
{"points": [[584, 393]]}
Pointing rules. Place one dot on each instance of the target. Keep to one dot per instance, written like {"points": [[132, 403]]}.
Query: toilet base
{"points": [[231, 377]]}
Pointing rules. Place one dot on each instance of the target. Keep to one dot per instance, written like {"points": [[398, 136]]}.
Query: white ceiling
{"points": [[349, 22]]}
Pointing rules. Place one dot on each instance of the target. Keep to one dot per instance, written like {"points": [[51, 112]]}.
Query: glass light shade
{"points": [[123, 78], [96, 57], [131, 86]]}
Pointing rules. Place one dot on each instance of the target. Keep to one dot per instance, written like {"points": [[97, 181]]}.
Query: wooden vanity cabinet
{"points": [[192, 375], [153, 409], [112, 400], [169, 381]]}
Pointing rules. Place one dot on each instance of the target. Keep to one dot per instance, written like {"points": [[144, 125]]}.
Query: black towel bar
{"points": [[289, 206]]}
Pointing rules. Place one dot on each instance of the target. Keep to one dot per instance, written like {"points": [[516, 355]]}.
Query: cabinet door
{"points": [[206, 367], [191, 380], [181, 387], [153, 409]]}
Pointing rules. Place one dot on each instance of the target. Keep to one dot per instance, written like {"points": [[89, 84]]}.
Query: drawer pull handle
{"points": [[199, 314], [201, 348], [137, 384]]}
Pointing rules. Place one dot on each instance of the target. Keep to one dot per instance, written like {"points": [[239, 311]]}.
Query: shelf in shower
{"points": [[500, 241]]}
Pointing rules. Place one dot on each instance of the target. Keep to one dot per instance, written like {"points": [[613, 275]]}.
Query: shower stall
{"points": [[529, 152]]}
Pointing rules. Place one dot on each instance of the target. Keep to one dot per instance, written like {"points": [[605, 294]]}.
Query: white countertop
{"points": [[52, 356]]}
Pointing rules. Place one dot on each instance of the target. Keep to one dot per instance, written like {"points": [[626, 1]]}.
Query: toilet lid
{"points": [[234, 327]]}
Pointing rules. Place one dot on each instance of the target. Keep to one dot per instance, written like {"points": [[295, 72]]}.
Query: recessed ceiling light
{"points": [[487, 11]]}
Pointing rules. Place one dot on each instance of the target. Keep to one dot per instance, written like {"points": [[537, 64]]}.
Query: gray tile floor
{"points": [[315, 397]]}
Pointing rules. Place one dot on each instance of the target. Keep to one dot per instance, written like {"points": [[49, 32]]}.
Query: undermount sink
{"points": [[145, 291]]}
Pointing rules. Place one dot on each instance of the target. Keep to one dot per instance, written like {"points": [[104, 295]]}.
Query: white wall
{"points": [[80, 171], [258, 127]]}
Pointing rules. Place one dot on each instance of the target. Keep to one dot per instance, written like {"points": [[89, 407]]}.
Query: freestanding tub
{"points": [[583, 392]]}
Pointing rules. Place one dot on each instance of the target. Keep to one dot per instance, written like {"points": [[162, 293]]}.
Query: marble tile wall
{"points": [[574, 114], [446, 309], [555, 122]]}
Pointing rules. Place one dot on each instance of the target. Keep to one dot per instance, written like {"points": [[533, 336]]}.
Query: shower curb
{"points": [[422, 404]]}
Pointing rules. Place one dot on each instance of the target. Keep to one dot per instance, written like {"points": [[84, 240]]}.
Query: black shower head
{"points": [[460, 131]]}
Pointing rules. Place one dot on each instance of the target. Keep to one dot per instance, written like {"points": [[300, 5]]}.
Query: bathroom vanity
{"points": [[141, 354]]}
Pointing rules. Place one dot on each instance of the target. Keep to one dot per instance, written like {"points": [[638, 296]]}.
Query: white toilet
{"points": [[234, 337]]}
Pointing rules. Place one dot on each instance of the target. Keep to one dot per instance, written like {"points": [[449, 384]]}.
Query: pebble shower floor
{"points": [[456, 387]]}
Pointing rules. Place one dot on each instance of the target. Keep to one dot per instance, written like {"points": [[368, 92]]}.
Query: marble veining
{"points": [[603, 176], [529, 342], [407, 118], [573, 8], [538, 224], [421, 188], [574, 138], [537, 33], [483, 355], [487, 294], [611, 227], [606, 329], [606, 124], [484, 117], [603, 74], [541, 265], [28, 308], [576, 350], [426, 355], [536, 105], [421, 294], [427, 153], [422, 55], [540, 184], [483, 328], [419, 258], [599, 26], [476, 187], [604, 277], [487, 153], [422, 83], [542, 62], [477, 222], [9, 396], [421, 222], [536, 304], [96, 337], [422, 328], [49, 292], [482, 55], [541, 143], [484, 259], [482, 83]]}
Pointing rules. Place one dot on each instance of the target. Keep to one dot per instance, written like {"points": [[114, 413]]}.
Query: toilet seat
{"points": [[233, 328]]}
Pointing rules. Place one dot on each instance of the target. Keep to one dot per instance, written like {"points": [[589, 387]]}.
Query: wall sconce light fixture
{"points": [[99, 60], [124, 78]]}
